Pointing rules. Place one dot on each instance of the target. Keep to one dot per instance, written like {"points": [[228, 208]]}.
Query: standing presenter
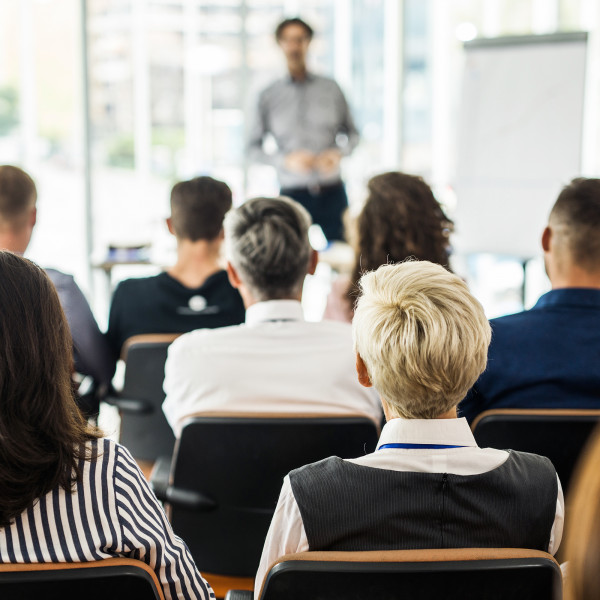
{"points": [[309, 119]]}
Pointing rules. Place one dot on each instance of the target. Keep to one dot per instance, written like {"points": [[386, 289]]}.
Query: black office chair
{"points": [[226, 477], [559, 434], [449, 574], [144, 428], [113, 578]]}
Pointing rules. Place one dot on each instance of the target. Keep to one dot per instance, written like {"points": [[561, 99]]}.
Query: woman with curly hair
{"points": [[67, 494], [401, 219]]}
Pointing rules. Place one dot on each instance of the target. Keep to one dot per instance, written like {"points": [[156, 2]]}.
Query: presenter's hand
{"points": [[328, 160], [300, 161]]}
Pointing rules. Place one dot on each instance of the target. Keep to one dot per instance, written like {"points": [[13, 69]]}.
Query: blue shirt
{"points": [[546, 357]]}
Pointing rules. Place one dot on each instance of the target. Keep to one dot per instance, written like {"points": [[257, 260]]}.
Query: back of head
{"points": [[18, 195], [422, 336], [583, 534], [400, 219], [267, 243], [198, 207], [575, 220], [39, 420]]}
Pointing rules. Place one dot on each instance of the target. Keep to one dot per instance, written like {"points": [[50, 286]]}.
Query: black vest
{"points": [[345, 506]]}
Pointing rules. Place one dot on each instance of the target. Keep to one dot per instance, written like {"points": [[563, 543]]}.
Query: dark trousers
{"points": [[325, 204]]}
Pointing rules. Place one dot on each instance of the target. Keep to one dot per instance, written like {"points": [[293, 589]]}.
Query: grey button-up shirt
{"points": [[312, 115]]}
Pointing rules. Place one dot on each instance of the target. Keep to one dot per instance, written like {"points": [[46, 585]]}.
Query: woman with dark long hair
{"points": [[400, 219], [67, 494]]}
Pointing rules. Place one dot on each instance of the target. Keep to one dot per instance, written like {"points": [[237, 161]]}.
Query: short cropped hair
{"points": [[422, 336], [577, 211], [198, 207], [294, 21], [266, 240], [17, 194]]}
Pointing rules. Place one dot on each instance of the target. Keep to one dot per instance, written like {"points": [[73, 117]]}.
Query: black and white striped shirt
{"points": [[111, 512]]}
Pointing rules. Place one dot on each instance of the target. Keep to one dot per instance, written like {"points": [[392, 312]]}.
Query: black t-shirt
{"points": [[161, 304]]}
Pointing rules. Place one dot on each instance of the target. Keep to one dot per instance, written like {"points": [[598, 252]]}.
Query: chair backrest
{"points": [[144, 429], [113, 579], [556, 433], [451, 574], [227, 475]]}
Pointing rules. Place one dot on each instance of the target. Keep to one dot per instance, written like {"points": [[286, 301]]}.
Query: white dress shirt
{"points": [[287, 535], [276, 362]]}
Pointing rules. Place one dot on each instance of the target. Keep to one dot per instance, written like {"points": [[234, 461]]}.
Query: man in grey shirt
{"points": [[309, 119]]}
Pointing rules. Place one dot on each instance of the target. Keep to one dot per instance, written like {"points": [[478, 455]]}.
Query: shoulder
{"points": [[317, 471], [536, 466], [139, 284], [327, 83], [201, 340], [60, 279], [516, 325], [272, 88]]}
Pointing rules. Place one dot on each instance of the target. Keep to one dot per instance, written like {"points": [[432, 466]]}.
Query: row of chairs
{"points": [[222, 507], [148, 436], [456, 574]]}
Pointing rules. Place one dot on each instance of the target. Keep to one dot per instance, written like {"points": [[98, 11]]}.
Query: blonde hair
{"points": [[422, 336], [583, 531]]}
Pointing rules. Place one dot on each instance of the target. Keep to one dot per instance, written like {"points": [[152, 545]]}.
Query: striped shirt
{"points": [[111, 512]]}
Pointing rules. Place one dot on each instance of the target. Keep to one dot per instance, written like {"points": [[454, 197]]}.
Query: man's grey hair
{"points": [[266, 240]]}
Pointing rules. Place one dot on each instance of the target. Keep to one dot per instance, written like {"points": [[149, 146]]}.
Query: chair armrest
{"points": [[239, 595], [130, 405], [182, 498], [159, 478]]}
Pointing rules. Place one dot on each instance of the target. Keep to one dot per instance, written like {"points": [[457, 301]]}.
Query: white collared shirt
{"points": [[276, 362], [287, 535]]}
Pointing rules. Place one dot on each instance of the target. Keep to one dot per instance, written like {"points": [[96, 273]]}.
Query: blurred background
{"points": [[108, 102]]}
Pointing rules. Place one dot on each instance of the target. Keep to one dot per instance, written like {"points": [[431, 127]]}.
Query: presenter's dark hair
{"points": [[198, 207], [294, 21], [400, 219], [42, 432], [577, 208]]}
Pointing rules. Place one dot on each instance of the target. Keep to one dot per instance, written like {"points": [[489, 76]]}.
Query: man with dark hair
{"points": [[18, 214], [195, 292], [276, 362], [549, 356], [309, 118]]}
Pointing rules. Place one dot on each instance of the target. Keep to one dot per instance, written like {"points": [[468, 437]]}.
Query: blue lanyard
{"points": [[419, 446]]}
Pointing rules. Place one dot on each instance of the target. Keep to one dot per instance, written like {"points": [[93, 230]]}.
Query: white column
{"points": [[590, 154], [142, 124], [27, 87], [444, 88], [492, 11], [393, 75], [191, 91], [544, 16], [342, 44]]}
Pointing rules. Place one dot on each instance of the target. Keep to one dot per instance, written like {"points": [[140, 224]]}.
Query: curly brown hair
{"points": [[400, 219], [42, 433]]}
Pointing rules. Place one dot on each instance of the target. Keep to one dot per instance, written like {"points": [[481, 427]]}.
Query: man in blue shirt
{"points": [[549, 356]]}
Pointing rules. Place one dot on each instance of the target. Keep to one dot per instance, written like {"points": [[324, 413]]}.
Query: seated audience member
{"points": [[66, 494], [275, 362], [421, 339], [549, 356], [18, 197], [582, 544], [400, 219], [195, 293]]}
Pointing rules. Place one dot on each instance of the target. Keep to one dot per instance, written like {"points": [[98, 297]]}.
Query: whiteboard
{"points": [[519, 138]]}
